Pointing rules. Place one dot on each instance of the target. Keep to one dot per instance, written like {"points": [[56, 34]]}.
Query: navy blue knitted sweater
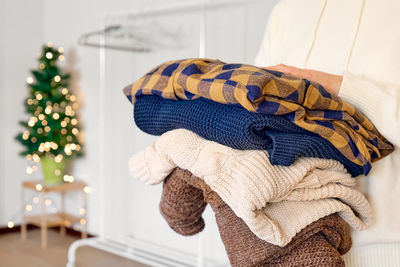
{"points": [[236, 127]]}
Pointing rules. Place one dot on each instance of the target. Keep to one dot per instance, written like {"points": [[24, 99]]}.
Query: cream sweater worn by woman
{"points": [[359, 39]]}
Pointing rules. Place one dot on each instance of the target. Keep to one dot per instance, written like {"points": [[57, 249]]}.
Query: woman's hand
{"points": [[330, 82]]}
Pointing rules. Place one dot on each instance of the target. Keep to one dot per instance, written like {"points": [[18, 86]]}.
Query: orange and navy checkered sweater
{"points": [[306, 104]]}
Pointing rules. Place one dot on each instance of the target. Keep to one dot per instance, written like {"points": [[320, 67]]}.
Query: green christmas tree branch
{"points": [[52, 129]]}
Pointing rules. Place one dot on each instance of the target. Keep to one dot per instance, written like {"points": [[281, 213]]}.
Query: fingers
{"points": [[280, 67], [291, 70], [330, 82]]}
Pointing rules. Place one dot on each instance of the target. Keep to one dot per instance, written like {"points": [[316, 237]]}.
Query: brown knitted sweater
{"points": [[185, 197]]}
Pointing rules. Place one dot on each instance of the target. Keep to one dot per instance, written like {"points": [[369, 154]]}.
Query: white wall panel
{"points": [[21, 38]]}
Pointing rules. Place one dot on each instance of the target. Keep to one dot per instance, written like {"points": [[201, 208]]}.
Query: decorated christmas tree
{"points": [[52, 132]]}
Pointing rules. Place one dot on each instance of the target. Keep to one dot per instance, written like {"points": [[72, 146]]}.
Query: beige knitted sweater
{"points": [[276, 202]]}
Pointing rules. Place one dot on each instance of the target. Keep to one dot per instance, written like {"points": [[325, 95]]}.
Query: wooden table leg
{"points": [[84, 226], [23, 223], [62, 227], [43, 224]]}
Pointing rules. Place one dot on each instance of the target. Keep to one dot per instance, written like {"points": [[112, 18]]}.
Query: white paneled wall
{"points": [[21, 37], [2, 95], [233, 35]]}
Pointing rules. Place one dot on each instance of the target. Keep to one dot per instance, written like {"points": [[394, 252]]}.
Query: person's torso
{"points": [[327, 34], [328, 38]]}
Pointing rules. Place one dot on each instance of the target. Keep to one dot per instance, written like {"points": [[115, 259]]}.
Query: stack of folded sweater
{"points": [[185, 196], [272, 152]]}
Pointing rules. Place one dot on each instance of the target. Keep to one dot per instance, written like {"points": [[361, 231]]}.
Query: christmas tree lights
{"points": [[52, 130]]}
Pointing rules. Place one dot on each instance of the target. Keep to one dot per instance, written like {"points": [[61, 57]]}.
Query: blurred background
{"points": [[107, 45]]}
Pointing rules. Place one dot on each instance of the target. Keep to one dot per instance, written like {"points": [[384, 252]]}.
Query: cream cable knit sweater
{"points": [[276, 202], [358, 39]]}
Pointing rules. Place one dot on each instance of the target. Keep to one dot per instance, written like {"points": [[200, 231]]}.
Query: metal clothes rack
{"points": [[85, 40], [135, 249]]}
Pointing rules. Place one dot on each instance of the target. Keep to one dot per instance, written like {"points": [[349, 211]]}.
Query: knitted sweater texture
{"points": [[237, 128], [306, 104], [320, 244], [275, 202]]}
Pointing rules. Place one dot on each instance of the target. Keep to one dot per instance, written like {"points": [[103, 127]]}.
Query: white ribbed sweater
{"points": [[276, 202]]}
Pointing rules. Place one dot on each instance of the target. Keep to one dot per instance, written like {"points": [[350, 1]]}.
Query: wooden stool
{"points": [[62, 218]]}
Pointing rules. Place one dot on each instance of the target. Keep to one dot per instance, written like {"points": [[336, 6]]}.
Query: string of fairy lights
{"points": [[52, 110], [52, 130], [55, 117]]}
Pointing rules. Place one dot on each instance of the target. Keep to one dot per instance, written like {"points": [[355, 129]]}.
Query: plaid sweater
{"points": [[306, 104]]}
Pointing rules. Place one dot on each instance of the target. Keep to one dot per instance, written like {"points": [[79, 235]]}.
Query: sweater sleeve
{"points": [[151, 165], [379, 101]]}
